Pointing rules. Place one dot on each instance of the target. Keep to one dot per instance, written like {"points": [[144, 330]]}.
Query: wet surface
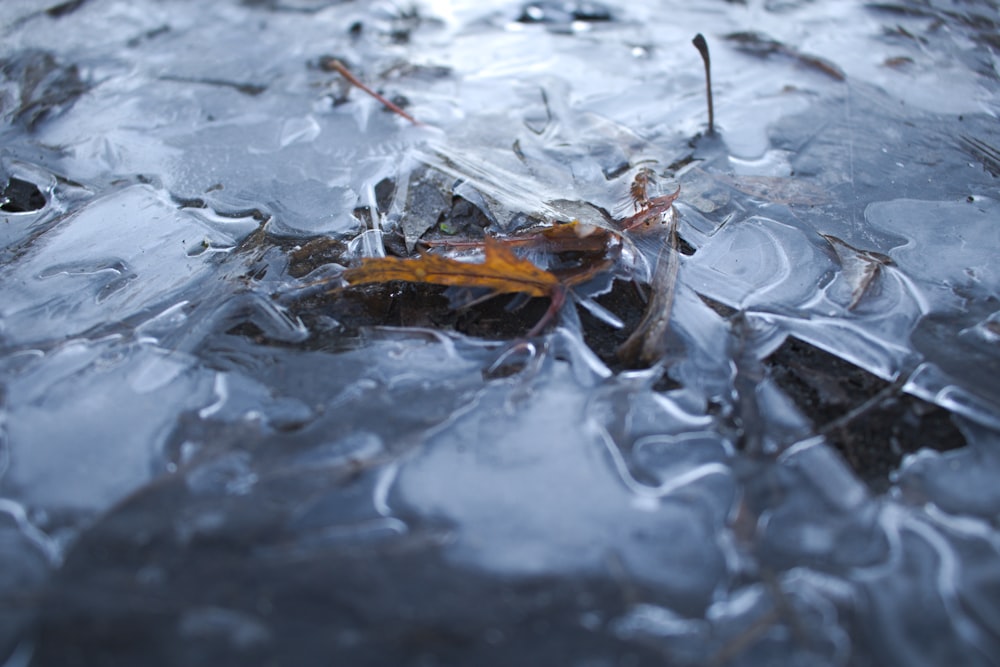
{"points": [[763, 426]]}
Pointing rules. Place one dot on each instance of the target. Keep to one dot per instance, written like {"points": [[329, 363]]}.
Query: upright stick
{"points": [[702, 46]]}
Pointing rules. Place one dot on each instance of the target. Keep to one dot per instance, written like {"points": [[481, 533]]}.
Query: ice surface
{"points": [[128, 253], [947, 246], [166, 415], [85, 420], [568, 483]]}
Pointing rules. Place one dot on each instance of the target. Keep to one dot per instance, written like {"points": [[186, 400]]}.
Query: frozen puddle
{"points": [[211, 454], [534, 502], [119, 259]]}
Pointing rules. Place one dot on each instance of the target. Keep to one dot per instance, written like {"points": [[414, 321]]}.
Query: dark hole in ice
{"points": [[21, 197], [684, 247], [384, 190], [401, 101], [614, 171], [397, 304], [871, 423], [627, 302], [64, 8], [248, 330], [190, 202], [463, 220], [493, 319], [291, 6], [564, 12], [363, 214], [314, 254], [246, 88]]}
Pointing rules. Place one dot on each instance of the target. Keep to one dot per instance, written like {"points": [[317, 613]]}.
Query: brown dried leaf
{"points": [[647, 343], [502, 271], [652, 208], [860, 267]]}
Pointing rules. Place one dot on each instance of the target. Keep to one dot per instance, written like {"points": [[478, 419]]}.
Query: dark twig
{"points": [[762, 46], [982, 151], [702, 46], [339, 68], [556, 301]]}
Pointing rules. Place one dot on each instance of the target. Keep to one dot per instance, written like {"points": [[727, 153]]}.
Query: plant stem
{"points": [[702, 46], [339, 67]]}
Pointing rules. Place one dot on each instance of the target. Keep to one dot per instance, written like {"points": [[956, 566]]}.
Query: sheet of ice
{"points": [[240, 132], [85, 421], [183, 149], [123, 256], [947, 255], [532, 503], [947, 248]]}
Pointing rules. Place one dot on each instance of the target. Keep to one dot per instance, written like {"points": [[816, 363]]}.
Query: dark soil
{"points": [[400, 304], [21, 197], [871, 422], [626, 300]]}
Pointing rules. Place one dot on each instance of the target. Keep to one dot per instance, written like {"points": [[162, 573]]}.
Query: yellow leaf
{"points": [[502, 271]]}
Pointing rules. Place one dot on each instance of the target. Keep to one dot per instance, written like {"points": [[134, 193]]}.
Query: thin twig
{"points": [[861, 410], [337, 66], [979, 149], [556, 301]]}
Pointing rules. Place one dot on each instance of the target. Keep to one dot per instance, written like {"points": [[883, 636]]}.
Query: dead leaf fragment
{"points": [[860, 267], [647, 343], [652, 208], [502, 272]]}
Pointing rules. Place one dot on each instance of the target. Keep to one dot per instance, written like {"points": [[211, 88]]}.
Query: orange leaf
{"points": [[502, 271]]}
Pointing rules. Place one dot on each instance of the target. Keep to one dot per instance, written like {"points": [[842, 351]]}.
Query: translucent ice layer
{"points": [[211, 451]]}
